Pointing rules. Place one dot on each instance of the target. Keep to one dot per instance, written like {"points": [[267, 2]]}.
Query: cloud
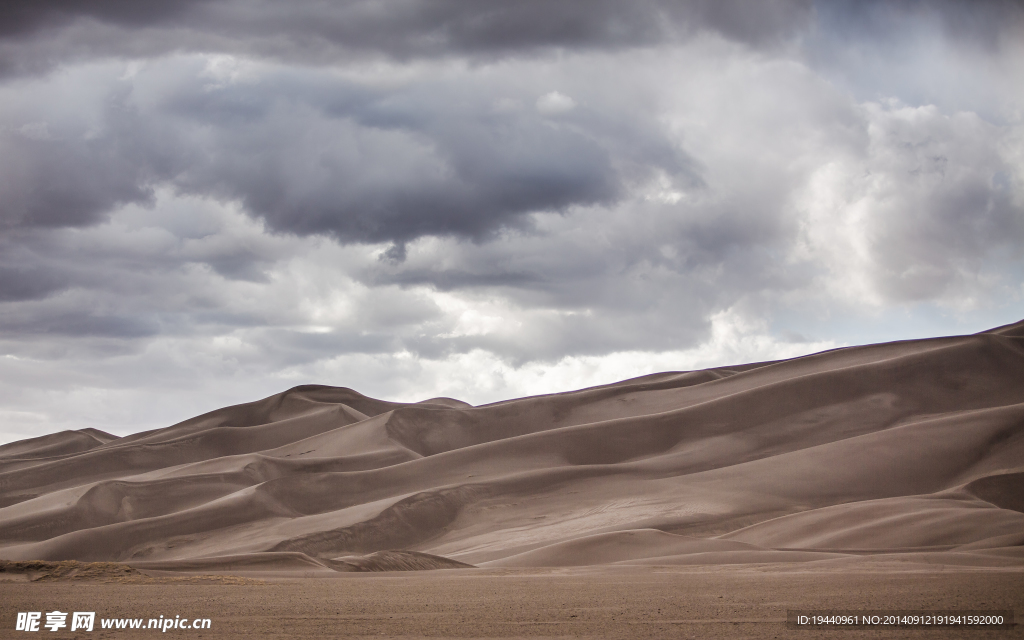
{"points": [[27, 18], [214, 201], [56, 167], [311, 153], [623, 223], [39, 35], [919, 210], [27, 283], [985, 23], [554, 103], [310, 31], [946, 53]]}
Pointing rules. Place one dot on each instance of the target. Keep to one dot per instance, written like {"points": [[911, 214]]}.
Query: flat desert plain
{"points": [[681, 504], [598, 602]]}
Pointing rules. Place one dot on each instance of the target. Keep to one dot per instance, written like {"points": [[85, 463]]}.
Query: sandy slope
{"points": [[904, 448]]}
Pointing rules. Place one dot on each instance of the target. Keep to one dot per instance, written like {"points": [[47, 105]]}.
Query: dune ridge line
{"points": [[910, 451]]}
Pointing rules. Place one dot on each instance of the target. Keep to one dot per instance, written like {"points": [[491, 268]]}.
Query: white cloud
{"points": [[554, 103]]}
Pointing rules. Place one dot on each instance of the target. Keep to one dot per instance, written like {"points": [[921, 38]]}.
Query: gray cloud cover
{"points": [[215, 200], [310, 153], [402, 29]]}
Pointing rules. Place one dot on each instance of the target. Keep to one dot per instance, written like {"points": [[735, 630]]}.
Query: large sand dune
{"points": [[913, 449]]}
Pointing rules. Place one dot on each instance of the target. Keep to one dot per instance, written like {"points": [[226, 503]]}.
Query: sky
{"points": [[206, 202]]}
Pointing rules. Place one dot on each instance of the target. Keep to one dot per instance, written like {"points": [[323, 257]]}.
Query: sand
{"points": [[595, 602], [869, 459]]}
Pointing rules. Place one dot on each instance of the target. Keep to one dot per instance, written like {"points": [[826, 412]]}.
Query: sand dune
{"points": [[618, 546], [903, 449], [395, 561]]}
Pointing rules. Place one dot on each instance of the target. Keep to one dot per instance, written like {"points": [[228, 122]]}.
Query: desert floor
{"points": [[598, 602]]}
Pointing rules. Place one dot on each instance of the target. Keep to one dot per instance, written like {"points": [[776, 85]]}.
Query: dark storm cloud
{"points": [[403, 29], [49, 31], [49, 182], [312, 154], [441, 27], [424, 27], [389, 171], [23, 18], [55, 322], [28, 283]]}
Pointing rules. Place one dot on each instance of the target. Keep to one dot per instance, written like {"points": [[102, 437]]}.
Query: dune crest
{"points": [[913, 447]]}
